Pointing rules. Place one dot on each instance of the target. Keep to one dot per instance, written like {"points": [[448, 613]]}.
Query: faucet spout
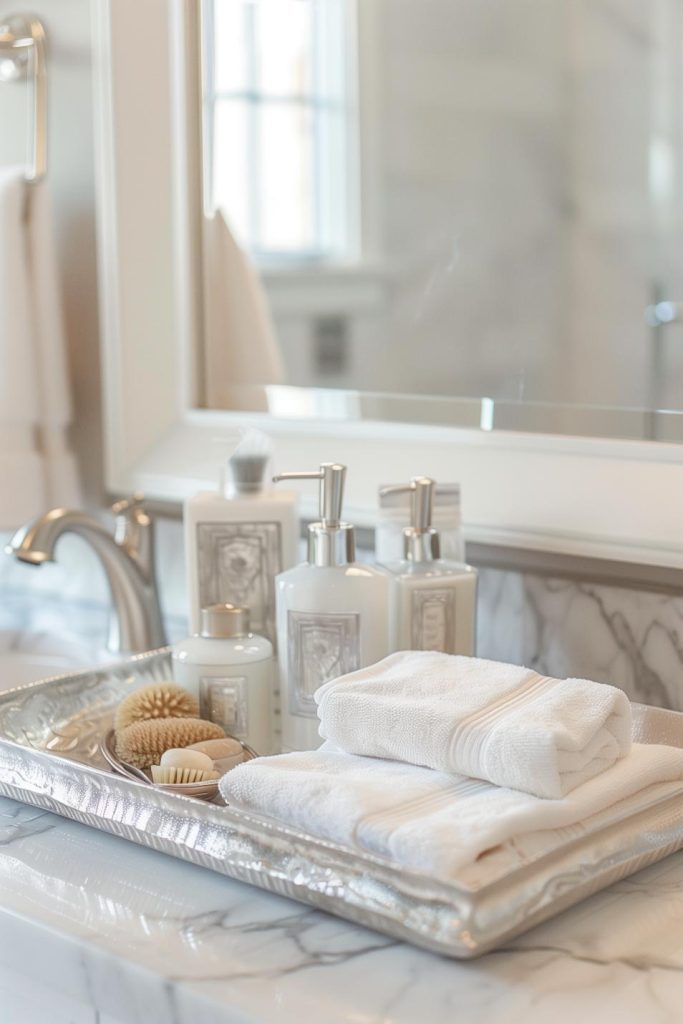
{"points": [[127, 559]]}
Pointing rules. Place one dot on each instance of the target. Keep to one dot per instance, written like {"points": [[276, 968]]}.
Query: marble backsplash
{"points": [[631, 638]]}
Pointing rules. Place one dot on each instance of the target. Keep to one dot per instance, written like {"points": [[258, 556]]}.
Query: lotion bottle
{"points": [[433, 600], [238, 538], [230, 672], [331, 613]]}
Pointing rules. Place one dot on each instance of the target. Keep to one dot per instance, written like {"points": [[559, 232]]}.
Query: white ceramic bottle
{"points": [[239, 538], [433, 600], [230, 672], [331, 613]]}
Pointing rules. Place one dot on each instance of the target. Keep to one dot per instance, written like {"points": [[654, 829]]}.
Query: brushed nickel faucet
{"points": [[127, 558]]}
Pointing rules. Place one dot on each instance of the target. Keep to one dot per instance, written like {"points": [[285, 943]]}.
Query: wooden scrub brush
{"points": [[158, 700], [184, 765], [142, 743], [181, 776]]}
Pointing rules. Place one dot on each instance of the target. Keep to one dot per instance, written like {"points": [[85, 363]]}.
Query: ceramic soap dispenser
{"points": [[433, 600], [239, 537], [331, 612]]}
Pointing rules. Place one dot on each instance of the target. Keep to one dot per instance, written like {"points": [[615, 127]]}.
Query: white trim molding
{"points": [[576, 496]]}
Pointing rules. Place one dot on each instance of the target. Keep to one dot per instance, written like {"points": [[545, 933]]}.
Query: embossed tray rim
{"points": [[453, 919]]}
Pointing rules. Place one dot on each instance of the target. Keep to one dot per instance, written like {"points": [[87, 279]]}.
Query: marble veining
{"points": [[631, 638], [129, 935]]}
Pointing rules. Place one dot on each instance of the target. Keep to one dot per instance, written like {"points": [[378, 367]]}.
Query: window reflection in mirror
{"points": [[281, 127]]}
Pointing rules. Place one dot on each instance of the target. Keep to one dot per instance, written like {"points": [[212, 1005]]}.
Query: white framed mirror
{"points": [[538, 475]]}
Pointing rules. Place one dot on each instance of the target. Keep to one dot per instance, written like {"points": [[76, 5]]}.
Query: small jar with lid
{"points": [[230, 672]]}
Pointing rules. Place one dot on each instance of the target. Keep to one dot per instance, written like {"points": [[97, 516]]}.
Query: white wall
{"points": [[70, 170]]}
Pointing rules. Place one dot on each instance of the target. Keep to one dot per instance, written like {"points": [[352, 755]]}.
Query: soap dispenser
{"points": [[432, 599], [239, 537], [331, 612]]}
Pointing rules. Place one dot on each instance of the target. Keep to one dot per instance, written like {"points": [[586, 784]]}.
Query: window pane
{"points": [[279, 118], [287, 200], [333, 180], [230, 165], [229, 50], [331, 52], [284, 47]]}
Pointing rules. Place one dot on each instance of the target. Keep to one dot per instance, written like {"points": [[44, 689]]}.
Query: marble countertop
{"points": [[95, 930]]}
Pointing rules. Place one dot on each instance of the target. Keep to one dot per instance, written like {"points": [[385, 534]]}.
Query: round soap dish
{"points": [[198, 790]]}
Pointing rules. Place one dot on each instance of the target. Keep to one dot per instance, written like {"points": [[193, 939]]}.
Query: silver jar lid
{"points": [[224, 621]]}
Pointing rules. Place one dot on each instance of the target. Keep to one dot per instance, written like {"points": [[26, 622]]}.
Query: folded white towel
{"points": [[429, 821], [483, 719]]}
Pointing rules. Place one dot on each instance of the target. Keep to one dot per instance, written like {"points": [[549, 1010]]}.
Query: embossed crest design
{"points": [[238, 562], [321, 647], [223, 699], [433, 620]]}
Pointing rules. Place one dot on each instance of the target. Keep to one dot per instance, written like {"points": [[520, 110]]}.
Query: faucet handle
{"points": [[126, 506], [130, 514], [134, 530]]}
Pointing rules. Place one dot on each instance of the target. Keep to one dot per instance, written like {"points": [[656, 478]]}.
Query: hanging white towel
{"points": [[431, 821], [241, 350], [38, 469], [484, 719]]}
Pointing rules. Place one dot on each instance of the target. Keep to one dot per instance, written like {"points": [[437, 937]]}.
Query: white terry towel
{"points": [[36, 466], [483, 719], [429, 821], [241, 350]]}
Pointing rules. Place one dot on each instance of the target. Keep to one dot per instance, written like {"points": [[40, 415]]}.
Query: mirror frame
{"points": [[609, 499]]}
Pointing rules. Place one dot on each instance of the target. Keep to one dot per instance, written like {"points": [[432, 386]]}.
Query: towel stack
{"points": [[432, 760]]}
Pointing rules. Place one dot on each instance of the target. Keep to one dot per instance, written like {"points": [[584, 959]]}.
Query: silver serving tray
{"points": [[50, 756]]}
